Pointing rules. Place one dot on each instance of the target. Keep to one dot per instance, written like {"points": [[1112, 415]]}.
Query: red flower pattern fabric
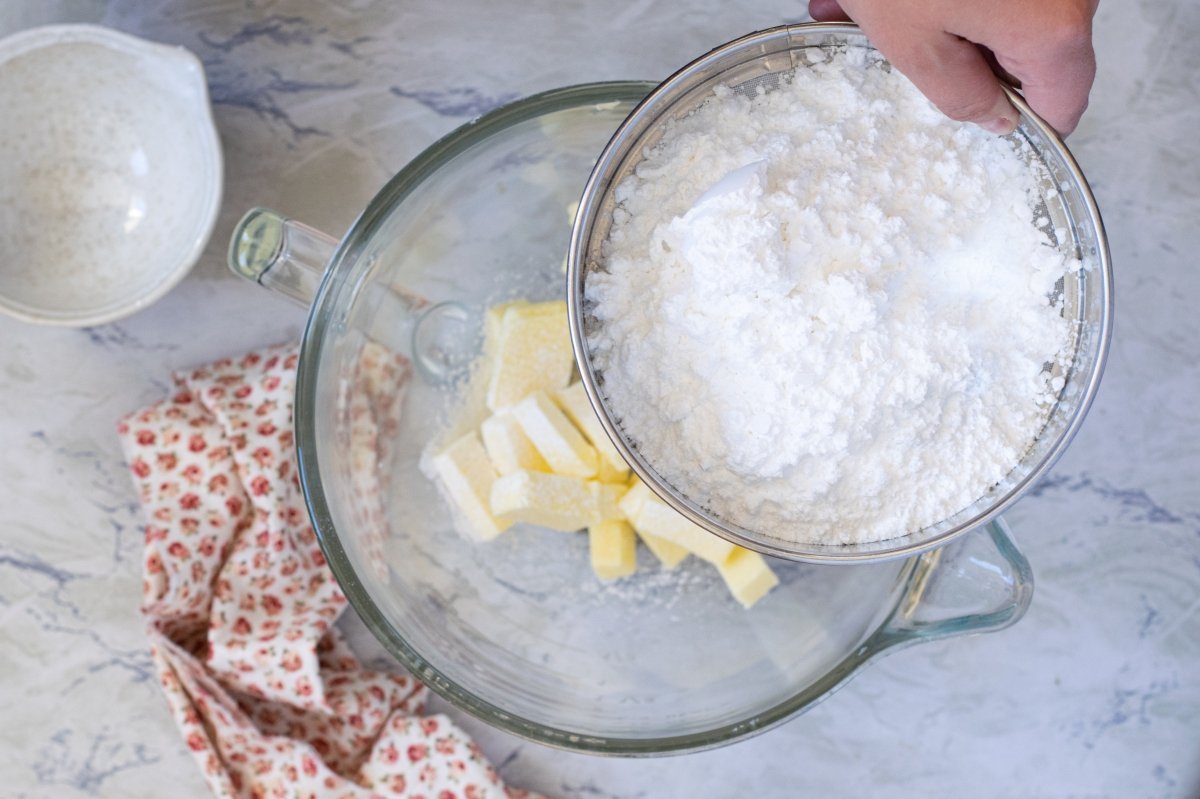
{"points": [[240, 605]]}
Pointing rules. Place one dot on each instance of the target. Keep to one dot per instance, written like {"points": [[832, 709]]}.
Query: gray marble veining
{"points": [[1096, 693]]}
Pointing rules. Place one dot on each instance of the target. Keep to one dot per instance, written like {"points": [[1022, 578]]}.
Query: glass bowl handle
{"points": [[979, 583], [290, 258], [281, 254]]}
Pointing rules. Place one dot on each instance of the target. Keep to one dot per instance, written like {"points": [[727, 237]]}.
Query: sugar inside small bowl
{"points": [[110, 172]]}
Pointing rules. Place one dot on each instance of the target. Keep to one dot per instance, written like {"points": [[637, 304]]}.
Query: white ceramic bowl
{"points": [[110, 172]]}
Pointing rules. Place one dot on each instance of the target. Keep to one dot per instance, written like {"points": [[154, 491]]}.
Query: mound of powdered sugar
{"points": [[824, 311]]}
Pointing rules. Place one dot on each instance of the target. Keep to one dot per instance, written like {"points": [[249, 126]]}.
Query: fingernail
{"points": [[1001, 126]]}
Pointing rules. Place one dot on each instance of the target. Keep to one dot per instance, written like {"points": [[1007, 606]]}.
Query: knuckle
{"points": [[968, 109], [1069, 27]]}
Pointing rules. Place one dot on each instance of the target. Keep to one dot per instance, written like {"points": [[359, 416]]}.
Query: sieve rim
{"points": [[612, 159]]}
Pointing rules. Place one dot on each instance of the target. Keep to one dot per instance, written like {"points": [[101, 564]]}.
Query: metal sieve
{"points": [[760, 60]]}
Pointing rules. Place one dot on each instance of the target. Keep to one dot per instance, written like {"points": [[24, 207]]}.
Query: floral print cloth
{"points": [[241, 606]]}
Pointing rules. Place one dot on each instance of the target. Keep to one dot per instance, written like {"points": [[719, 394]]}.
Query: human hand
{"points": [[1046, 45]]}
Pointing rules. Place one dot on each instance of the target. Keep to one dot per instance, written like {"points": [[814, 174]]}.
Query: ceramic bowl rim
{"points": [[48, 36]]}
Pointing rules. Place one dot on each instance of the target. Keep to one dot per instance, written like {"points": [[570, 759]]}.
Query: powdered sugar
{"points": [[824, 312]]}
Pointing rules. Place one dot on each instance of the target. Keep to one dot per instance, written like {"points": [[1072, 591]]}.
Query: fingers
{"points": [[1045, 46], [956, 77], [1060, 102], [827, 11], [1057, 85], [949, 70]]}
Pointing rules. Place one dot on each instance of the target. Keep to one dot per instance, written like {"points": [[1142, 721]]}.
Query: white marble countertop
{"points": [[1096, 693]]}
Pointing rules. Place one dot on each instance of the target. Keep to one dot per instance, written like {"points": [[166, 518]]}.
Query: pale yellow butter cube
{"points": [[668, 554], [632, 502], [556, 439], [532, 352], [468, 477], [747, 575], [606, 498], [574, 402], [606, 473], [613, 549], [493, 321], [657, 518], [508, 446], [550, 500]]}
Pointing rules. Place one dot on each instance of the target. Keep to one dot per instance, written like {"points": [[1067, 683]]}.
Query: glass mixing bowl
{"points": [[517, 630]]}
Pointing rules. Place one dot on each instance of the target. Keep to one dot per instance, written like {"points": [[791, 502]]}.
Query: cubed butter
{"points": [[606, 501], [747, 575], [613, 549], [668, 554], [632, 502], [468, 477], [532, 353], [508, 446], [607, 473], [657, 518], [549, 500], [554, 437], [574, 402], [493, 321]]}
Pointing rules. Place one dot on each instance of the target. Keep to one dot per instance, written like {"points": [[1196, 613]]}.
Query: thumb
{"points": [[827, 11], [956, 77]]}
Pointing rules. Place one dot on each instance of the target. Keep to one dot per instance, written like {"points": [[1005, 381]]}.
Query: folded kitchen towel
{"points": [[241, 606]]}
